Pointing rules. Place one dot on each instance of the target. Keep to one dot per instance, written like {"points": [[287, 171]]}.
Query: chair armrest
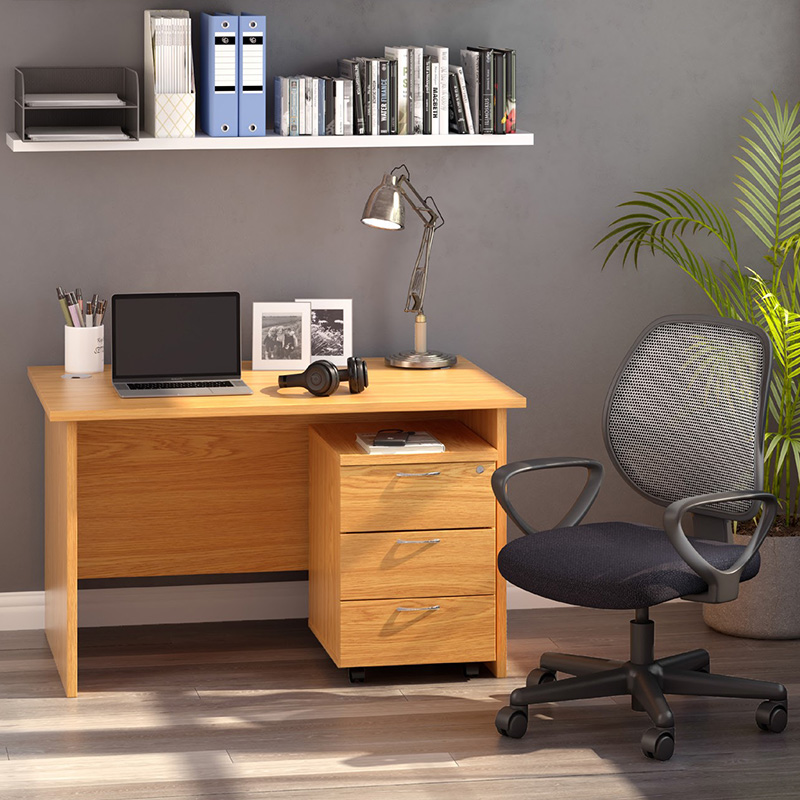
{"points": [[723, 585], [502, 476]]}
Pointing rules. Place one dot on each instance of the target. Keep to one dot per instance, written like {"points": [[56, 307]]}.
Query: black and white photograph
{"points": [[281, 335], [331, 330]]}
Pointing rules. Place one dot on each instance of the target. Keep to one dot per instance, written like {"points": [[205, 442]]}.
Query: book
{"points": [[301, 105], [281, 110], [400, 55], [347, 86], [436, 98], [383, 95], [511, 90], [458, 122], [417, 442], [294, 107], [338, 101], [392, 95], [375, 94], [350, 68], [470, 65], [427, 98], [442, 56], [415, 57], [462, 90], [486, 79], [330, 108], [320, 105], [499, 93]]}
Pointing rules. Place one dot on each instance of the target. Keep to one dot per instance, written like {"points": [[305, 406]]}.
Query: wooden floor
{"points": [[255, 710]]}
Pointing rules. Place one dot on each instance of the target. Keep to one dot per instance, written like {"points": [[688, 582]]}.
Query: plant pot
{"points": [[768, 606]]}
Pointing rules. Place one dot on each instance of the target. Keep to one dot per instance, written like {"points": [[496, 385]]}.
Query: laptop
{"points": [[183, 344]]}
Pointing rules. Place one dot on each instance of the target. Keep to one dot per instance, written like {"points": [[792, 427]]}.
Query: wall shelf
{"points": [[272, 142]]}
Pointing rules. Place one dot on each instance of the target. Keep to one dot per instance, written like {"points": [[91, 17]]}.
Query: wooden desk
{"points": [[209, 485]]}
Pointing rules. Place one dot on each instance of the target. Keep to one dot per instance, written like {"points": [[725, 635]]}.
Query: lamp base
{"points": [[431, 359]]}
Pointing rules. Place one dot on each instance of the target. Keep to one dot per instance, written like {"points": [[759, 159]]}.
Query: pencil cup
{"points": [[83, 350]]}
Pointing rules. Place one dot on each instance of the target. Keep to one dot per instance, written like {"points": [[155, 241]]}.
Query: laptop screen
{"points": [[186, 335]]}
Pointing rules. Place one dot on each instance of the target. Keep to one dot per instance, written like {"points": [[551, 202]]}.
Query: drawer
{"points": [[437, 630], [421, 496], [422, 563]]}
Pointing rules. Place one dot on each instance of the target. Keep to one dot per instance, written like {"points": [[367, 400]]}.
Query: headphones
{"points": [[322, 377]]}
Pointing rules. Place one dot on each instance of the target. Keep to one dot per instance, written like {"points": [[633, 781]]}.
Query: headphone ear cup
{"points": [[357, 374], [321, 378]]}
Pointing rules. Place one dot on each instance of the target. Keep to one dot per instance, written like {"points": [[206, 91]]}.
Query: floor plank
{"points": [[257, 710]]}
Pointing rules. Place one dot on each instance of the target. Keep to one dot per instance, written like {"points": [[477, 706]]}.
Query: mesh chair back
{"points": [[686, 411]]}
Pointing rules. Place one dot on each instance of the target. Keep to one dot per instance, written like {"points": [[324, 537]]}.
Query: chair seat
{"points": [[611, 565]]}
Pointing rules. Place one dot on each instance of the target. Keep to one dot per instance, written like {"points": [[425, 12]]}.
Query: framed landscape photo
{"points": [[331, 330], [281, 335]]}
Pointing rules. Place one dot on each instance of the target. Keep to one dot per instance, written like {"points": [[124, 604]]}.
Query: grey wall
{"points": [[621, 94]]}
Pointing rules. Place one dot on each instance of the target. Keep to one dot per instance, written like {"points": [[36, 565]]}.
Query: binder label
{"points": [[253, 62], [225, 63]]}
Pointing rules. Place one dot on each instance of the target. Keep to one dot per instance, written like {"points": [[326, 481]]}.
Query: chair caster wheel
{"points": [[472, 670], [772, 716], [539, 676], [357, 674], [512, 721], [658, 743]]}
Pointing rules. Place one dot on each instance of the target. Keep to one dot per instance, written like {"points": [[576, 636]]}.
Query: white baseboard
{"points": [[158, 605]]}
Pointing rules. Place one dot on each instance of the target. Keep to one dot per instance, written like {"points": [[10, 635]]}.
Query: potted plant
{"points": [[768, 200]]}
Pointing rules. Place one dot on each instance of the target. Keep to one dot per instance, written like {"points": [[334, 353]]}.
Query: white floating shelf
{"points": [[271, 142]]}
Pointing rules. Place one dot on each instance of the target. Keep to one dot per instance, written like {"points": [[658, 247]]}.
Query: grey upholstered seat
{"points": [[611, 565]]}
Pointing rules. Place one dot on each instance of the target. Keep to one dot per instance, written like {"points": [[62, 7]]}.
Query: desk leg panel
{"points": [[491, 425], [61, 549]]}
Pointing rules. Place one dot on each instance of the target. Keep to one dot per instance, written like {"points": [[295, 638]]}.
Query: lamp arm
{"points": [[423, 208], [419, 275]]}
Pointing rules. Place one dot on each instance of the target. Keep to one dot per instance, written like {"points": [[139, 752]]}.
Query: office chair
{"points": [[684, 425]]}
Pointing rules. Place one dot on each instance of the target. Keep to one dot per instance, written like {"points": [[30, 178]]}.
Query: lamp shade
{"points": [[384, 208]]}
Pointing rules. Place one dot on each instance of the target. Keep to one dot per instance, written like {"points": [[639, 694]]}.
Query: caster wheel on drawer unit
{"points": [[539, 676], [772, 716], [357, 674], [512, 722], [472, 670]]}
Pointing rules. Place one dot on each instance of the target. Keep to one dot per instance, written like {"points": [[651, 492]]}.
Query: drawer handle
{"points": [[424, 608], [418, 541], [417, 474]]}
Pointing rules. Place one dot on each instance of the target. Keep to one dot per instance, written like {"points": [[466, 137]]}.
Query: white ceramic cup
{"points": [[83, 349]]}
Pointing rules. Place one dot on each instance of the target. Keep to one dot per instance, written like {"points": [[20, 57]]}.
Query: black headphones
{"points": [[322, 377]]}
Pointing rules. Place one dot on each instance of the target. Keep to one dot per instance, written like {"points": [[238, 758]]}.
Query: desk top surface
{"points": [[464, 386]]}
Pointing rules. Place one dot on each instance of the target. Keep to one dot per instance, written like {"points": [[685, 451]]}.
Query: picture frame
{"points": [[281, 335], [331, 329]]}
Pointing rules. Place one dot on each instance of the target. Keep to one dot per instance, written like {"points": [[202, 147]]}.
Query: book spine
{"points": [[457, 106], [392, 96], [469, 63], [499, 94], [314, 83], [418, 80], [511, 91], [401, 56], [383, 110], [321, 105], [294, 106], [437, 109], [375, 100], [442, 56], [486, 61], [347, 86], [464, 96], [338, 114], [427, 95], [277, 111], [330, 108]]}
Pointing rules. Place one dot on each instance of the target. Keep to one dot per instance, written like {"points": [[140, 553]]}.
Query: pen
{"points": [[74, 310], [62, 301], [88, 314], [79, 298], [98, 317]]}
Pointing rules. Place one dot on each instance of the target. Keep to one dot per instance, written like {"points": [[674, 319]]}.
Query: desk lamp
{"points": [[385, 210]]}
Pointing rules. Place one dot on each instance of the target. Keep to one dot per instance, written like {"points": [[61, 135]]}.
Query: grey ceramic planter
{"points": [[768, 607]]}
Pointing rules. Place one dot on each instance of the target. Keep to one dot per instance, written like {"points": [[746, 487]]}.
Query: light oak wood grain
{"points": [[450, 562], [464, 386], [61, 549], [379, 632], [413, 495]]}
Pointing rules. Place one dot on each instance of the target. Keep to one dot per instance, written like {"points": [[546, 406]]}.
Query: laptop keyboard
{"points": [[180, 385]]}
